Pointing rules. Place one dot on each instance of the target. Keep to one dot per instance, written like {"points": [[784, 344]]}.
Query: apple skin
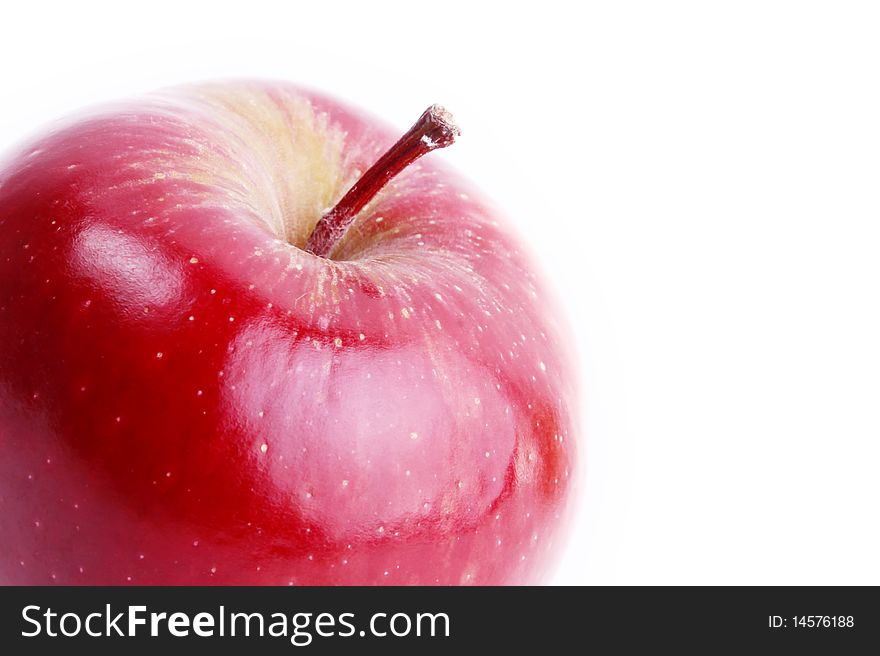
{"points": [[188, 397]]}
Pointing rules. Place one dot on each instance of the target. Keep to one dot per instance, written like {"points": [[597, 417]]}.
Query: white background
{"points": [[702, 183]]}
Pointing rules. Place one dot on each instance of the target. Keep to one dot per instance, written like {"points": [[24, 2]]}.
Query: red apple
{"points": [[189, 396]]}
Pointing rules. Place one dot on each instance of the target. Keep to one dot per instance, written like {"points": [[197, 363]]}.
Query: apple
{"points": [[207, 377]]}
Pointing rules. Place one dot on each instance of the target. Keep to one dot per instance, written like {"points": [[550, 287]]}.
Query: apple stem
{"points": [[434, 129]]}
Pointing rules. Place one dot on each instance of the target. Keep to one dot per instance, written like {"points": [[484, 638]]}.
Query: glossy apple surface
{"points": [[188, 397]]}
